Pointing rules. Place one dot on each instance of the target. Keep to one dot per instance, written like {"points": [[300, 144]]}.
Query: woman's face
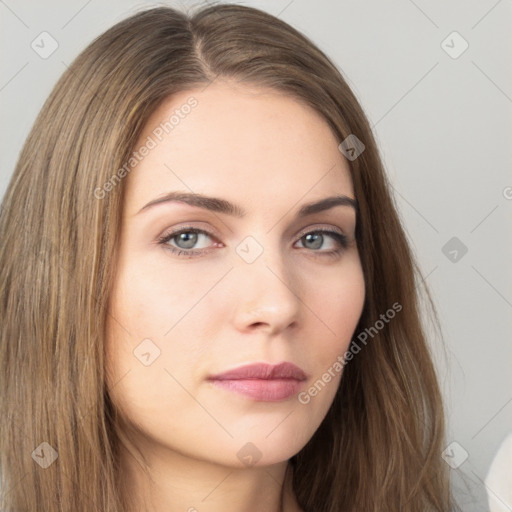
{"points": [[262, 287]]}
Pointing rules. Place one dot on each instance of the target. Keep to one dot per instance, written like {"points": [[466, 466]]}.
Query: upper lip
{"points": [[263, 371]]}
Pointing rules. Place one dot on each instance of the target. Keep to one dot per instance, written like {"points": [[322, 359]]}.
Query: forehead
{"points": [[244, 143]]}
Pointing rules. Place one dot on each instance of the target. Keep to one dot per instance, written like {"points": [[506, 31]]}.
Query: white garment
{"points": [[499, 479]]}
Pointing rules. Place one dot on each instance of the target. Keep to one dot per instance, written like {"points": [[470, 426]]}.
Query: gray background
{"points": [[443, 124]]}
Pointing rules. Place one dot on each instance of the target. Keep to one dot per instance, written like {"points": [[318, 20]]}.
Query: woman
{"points": [[208, 300]]}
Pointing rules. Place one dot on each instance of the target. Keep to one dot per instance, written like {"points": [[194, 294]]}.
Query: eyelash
{"points": [[340, 238]]}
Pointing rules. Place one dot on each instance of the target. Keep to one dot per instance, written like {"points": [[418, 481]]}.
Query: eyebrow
{"points": [[219, 205]]}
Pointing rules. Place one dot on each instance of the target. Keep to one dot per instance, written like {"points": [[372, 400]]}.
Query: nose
{"points": [[267, 296]]}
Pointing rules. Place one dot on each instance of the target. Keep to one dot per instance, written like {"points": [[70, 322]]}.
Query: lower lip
{"points": [[268, 390]]}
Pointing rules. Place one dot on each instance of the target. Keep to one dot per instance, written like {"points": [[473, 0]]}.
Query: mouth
{"points": [[261, 381]]}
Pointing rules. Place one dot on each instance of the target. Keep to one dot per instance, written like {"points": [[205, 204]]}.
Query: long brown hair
{"points": [[379, 447]]}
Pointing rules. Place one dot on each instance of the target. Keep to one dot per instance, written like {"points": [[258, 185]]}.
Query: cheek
{"points": [[151, 298], [338, 305], [151, 332]]}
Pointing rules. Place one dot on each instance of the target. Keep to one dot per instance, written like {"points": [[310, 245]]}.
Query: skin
{"points": [[270, 154]]}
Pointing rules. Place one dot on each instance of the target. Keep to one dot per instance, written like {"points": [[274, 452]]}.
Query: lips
{"points": [[262, 382], [263, 371]]}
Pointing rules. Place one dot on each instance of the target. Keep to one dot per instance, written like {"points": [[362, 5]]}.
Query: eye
{"points": [[315, 239], [186, 238]]}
